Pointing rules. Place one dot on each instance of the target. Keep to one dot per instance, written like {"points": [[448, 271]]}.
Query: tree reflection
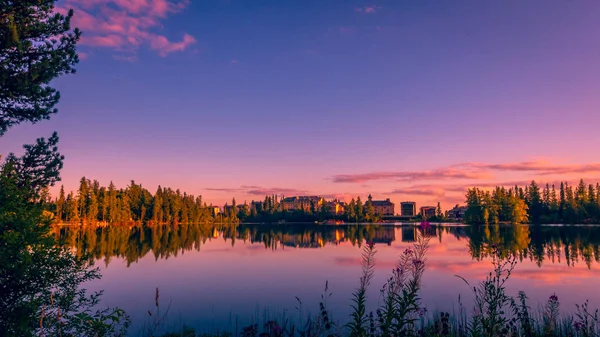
{"points": [[539, 244]]}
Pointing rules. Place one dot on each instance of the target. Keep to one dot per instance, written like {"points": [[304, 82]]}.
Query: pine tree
{"points": [[82, 197], [534, 202], [104, 204], [113, 211], [562, 201], [474, 213], [37, 45], [92, 212], [546, 202], [351, 211], [360, 210], [73, 206], [60, 204], [581, 198], [157, 201], [233, 215]]}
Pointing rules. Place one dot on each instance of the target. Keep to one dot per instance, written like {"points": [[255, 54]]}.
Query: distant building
{"points": [[227, 209], [408, 208], [214, 210], [457, 213], [382, 207], [256, 205], [427, 211], [336, 207], [301, 203]]}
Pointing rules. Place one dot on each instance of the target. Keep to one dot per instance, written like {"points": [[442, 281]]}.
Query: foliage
{"points": [[134, 204], [40, 280], [360, 320], [37, 45], [534, 204]]}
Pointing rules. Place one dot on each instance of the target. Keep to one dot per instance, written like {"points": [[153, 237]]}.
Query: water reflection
{"points": [[539, 244]]}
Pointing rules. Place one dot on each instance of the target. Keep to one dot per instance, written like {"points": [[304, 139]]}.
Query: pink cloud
{"points": [[260, 191], [471, 171], [538, 167], [164, 46], [440, 174], [114, 41], [125, 25]]}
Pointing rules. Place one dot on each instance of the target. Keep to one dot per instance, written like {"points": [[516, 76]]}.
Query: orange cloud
{"points": [[125, 25]]}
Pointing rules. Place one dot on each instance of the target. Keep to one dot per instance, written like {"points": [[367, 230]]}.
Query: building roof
{"points": [[382, 203], [302, 198]]}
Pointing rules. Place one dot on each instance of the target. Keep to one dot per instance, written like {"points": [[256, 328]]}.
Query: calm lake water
{"points": [[210, 278]]}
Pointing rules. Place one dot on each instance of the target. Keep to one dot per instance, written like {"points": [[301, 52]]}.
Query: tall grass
{"points": [[494, 313]]}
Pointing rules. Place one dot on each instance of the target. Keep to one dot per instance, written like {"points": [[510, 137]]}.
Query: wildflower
{"points": [[408, 251], [422, 311], [554, 298], [578, 325], [417, 262]]}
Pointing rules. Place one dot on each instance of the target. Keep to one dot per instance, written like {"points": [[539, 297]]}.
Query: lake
{"points": [[214, 279]]}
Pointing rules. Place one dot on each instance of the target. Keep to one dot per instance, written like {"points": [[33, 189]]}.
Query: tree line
{"points": [[93, 203], [535, 204]]}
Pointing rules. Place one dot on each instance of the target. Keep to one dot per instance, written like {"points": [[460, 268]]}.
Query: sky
{"points": [[408, 100]]}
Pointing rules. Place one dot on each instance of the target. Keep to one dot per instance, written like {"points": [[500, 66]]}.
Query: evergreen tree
{"points": [[104, 216], [370, 211], [73, 207], [360, 210], [61, 204], [113, 211], [570, 213], [534, 202], [438, 212], [82, 198], [92, 211], [474, 213], [233, 216], [351, 211], [37, 45], [562, 201], [546, 202], [554, 205], [157, 216]]}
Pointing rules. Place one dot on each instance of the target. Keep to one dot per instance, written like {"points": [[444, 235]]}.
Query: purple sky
{"points": [[402, 99]]}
